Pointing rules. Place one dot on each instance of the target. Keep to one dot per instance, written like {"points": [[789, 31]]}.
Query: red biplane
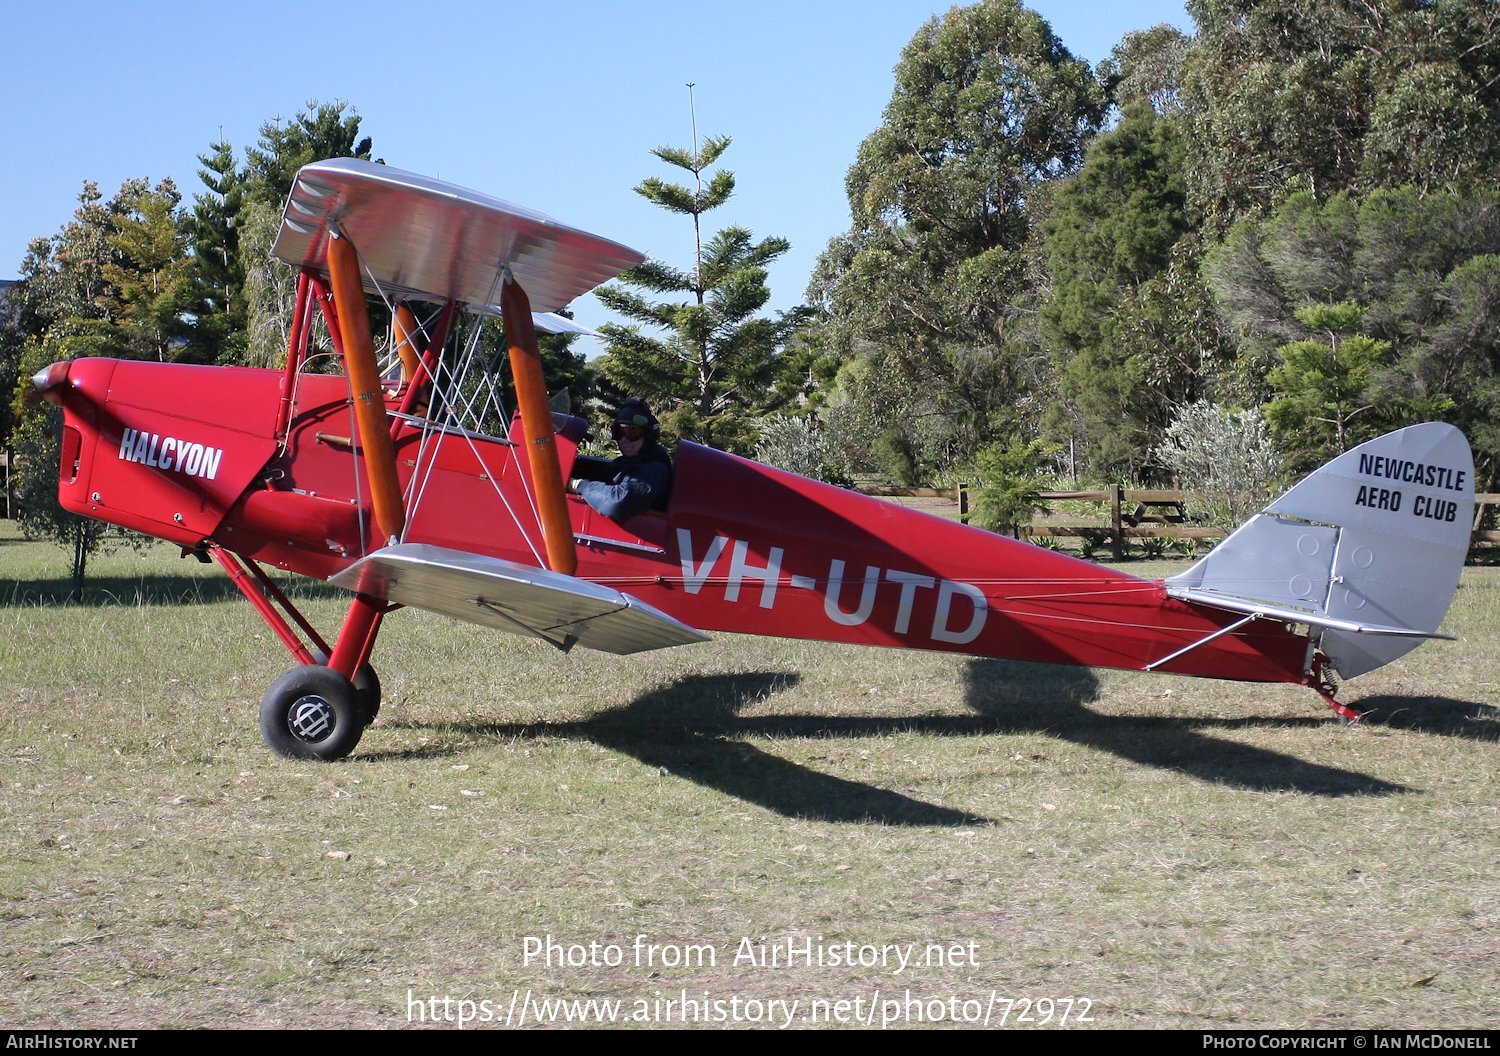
{"points": [[392, 483]]}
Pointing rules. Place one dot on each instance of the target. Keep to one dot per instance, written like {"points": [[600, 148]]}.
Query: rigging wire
{"points": [[462, 392]]}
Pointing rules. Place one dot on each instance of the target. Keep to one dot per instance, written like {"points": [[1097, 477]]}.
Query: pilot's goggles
{"points": [[629, 432]]}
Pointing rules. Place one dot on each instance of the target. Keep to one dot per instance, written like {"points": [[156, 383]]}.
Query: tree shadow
{"points": [[1167, 743], [692, 729], [156, 589]]}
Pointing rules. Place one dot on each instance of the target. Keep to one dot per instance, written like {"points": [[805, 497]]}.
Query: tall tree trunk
{"points": [[80, 560]]}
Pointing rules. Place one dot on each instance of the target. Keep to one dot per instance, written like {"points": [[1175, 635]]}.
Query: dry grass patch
{"points": [[1181, 852]]}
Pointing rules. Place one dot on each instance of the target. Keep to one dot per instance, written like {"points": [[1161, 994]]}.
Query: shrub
{"points": [[1227, 454], [1008, 485], [800, 444]]}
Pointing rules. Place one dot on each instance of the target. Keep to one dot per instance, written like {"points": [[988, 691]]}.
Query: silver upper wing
{"points": [[416, 235]]}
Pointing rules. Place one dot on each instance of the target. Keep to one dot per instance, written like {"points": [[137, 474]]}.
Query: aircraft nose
{"points": [[47, 382]]}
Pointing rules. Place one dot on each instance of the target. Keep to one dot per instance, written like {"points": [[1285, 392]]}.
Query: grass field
{"points": [[1165, 852]]}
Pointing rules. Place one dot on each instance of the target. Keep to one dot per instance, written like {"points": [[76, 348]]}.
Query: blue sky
{"points": [[555, 106]]}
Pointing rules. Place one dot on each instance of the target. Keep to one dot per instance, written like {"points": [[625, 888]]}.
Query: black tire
{"points": [[312, 713], [367, 691]]}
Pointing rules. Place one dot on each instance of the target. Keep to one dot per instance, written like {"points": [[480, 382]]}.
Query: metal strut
{"points": [[357, 634], [251, 581], [1236, 625]]}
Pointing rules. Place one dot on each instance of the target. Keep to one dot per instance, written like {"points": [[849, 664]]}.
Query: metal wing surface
{"points": [[515, 598], [418, 235]]}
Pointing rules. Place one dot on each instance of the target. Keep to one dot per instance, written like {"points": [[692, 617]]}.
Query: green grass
{"points": [[1181, 852]]}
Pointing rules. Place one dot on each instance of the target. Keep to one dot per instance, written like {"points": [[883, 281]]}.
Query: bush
{"points": [[1154, 547], [1227, 454], [1008, 484], [802, 446]]}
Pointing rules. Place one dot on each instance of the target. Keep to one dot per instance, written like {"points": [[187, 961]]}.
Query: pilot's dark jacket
{"points": [[640, 483]]}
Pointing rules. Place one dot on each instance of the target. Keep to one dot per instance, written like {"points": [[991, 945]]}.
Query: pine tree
{"points": [[1111, 232], [1426, 269], [1325, 400], [152, 273], [719, 362], [323, 130], [218, 268]]}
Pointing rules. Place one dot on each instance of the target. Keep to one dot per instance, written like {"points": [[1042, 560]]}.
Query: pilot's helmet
{"points": [[635, 420]]}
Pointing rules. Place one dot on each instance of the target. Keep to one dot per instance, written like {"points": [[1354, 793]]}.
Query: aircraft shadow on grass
{"points": [[1181, 744], [1187, 745], [1448, 716], [694, 729]]}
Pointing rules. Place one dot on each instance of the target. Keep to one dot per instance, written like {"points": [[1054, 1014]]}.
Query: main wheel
{"points": [[312, 713]]}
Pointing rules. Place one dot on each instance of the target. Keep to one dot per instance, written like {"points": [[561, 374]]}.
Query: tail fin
{"points": [[1366, 551]]}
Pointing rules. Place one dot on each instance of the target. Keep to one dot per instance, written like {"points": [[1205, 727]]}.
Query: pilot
{"points": [[641, 476]]}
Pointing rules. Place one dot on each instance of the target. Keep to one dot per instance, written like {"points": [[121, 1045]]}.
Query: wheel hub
{"points": [[311, 718]]}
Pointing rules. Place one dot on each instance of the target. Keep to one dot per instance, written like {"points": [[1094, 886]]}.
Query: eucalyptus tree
{"points": [[1339, 95], [935, 281]]}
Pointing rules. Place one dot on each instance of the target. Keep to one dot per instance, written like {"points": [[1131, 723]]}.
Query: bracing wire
{"points": [[462, 392]]}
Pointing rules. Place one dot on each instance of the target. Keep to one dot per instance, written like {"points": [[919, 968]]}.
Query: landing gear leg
{"points": [[351, 653], [319, 710]]}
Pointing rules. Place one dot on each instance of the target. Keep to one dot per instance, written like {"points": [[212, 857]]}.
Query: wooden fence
{"points": [[1479, 535], [1134, 513], [959, 495]]}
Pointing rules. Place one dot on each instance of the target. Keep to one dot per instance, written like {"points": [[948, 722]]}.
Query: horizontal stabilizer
{"points": [[514, 598], [1312, 619]]}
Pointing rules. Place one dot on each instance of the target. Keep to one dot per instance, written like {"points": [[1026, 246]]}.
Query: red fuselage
{"points": [[196, 454]]}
